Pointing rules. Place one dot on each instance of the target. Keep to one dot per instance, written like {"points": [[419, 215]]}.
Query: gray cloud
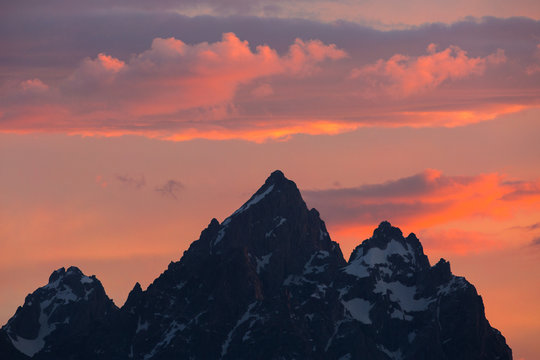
{"points": [[418, 184], [371, 203], [170, 189], [531, 227], [121, 34], [136, 182]]}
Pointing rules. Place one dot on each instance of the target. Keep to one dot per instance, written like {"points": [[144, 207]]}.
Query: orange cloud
{"points": [[452, 118], [260, 132], [427, 200], [403, 75]]}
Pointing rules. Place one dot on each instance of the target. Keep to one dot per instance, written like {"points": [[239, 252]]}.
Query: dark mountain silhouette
{"points": [[266, 283]]}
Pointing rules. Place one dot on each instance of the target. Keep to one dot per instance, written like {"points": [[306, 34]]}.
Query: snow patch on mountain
{"points": [[245, 317], [254, 200], [281, 221], [310, 268], [394, 355], [142, 326], [296, 280], [32, 346], [405, 296], [456, 283], [86, 280], [262, 262], [359, 309], [377, 258], [167, 337], [220, 235]]}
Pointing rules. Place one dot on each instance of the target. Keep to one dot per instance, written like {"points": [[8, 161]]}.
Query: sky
{"points": [[126, 127]]}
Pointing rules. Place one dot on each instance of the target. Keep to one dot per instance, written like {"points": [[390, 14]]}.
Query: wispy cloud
{"points": [[133, 181], [389, 14], [531, 227], [170, 189]]}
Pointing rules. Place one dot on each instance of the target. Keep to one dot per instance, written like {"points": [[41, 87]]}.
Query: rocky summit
{"points": [[266, 283]]}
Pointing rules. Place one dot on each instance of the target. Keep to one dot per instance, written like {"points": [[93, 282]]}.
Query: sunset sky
{"points": [[127, 125]]}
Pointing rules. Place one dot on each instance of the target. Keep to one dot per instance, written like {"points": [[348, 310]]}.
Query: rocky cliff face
{"points": [[267, 283]]}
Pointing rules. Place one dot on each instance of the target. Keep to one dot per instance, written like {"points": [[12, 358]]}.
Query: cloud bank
{"points": [[167, 76]]}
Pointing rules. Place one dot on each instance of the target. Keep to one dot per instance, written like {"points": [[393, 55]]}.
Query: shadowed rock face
{"points": [[268, 283]]}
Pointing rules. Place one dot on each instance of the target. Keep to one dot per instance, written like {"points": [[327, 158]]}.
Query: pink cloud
{"points": [[534, 68], [231, 89], [109, 96], [403, 75], [303, 56], [173, 76], [33, 85]]}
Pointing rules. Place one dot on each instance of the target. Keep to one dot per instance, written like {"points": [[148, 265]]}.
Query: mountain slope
{"points": [[269, 283], [240, 282], [409, 309]]}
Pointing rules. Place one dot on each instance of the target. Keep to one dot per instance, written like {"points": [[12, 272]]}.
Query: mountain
{"points": [[59, 318], [267, 283]]}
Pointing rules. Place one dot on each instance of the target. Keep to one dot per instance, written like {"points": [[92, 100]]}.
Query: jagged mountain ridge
{"points": [[269, 283]]}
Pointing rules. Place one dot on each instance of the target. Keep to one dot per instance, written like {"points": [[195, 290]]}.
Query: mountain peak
{"points": [[70, 299], [278, 181], [276, 194], [57, 274], [72, 272], [70, 277], [275, 211], [386, 249], [277, 175], [386, 231]]}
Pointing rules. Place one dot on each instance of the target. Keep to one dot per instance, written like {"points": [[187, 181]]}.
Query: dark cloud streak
{"points": [[170, 189], [123, 33], [136, 182]]}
